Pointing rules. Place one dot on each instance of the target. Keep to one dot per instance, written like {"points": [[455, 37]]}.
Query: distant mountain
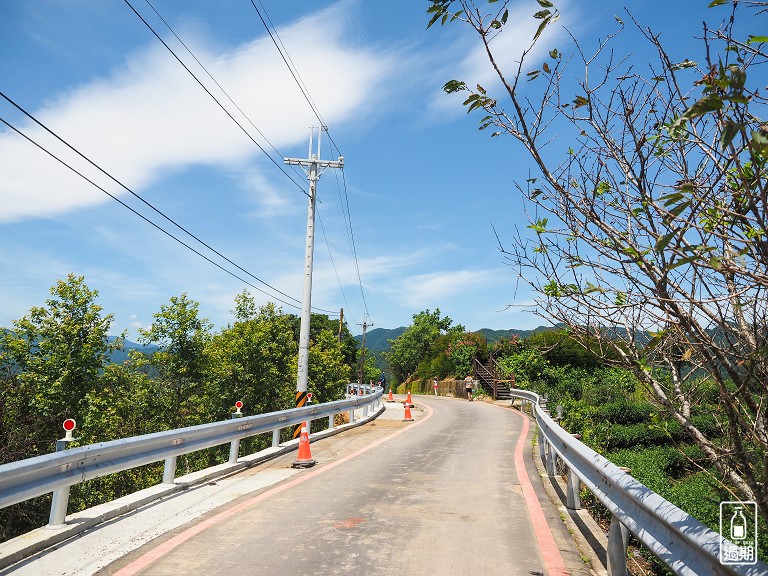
{"points": [[494, 336], [376, 339], [120, 356]]}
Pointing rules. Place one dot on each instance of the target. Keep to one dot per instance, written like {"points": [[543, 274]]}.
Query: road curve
{"points": [[438, 496]]}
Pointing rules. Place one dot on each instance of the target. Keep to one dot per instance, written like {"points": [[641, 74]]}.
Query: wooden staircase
{"points": [[487, 375]]}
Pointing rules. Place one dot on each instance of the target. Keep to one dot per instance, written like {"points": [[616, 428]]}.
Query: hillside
{"points": [[120, 356], [376, 339]]}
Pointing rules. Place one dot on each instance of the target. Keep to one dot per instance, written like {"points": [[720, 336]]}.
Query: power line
{"points": [[305, 92], [277, 41], [348, 218], [180, 61], [333, 264], [148, 204], [116, 199], [220, 87]]}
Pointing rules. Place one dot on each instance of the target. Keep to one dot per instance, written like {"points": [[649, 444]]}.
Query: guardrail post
{"points": [[572, 489], [234, 451], [60, 497], [551, 460], [618, 540], [331, 422], [275, 437], [169, 472], [234, 446], [352, 416], [59, 505], [542, 446]]}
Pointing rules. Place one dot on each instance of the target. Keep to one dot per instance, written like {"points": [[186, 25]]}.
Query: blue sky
{"points": [[422, 185]]}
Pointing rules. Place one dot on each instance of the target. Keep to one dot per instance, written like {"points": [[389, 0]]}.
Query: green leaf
{"points": [[756, 39], [554, 53], [717, 3], [540, 226], [580, 101], [683, 261], [684, 64], [619, 20], [545, 4], [663, 241], [707, 104], [730, 130], [677, 210], [541, 14], [453, 86], [532, 75]]}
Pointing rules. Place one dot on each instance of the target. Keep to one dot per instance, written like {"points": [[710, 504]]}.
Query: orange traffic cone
{"points": [[304, 459], [390, 398], [408, 400], [408, 417]]}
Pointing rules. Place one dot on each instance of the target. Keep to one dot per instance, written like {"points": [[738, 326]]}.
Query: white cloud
{"points": [[424, 290], [150, 117]]}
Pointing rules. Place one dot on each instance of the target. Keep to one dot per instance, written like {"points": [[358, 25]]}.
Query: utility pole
{"points": [[314, 167], [341, 323], [362, 355]]}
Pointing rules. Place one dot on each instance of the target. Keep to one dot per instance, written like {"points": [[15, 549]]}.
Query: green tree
{"points": [[255, 359], [413, 345], [463, 350], [51, 359], [50, 363], [180, 362], [649, 234], [328, 373]]}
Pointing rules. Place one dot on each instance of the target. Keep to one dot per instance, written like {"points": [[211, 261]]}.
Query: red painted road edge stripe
{"points": [[158, 552], [553, 560]]}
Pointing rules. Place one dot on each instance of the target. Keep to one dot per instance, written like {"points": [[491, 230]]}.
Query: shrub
{"points": [[625, 412]]}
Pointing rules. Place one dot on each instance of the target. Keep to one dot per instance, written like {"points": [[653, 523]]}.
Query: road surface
{"points": [[438, 496]]}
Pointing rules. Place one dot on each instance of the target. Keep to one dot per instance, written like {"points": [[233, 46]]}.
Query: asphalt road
{"points": [[437, 496]]}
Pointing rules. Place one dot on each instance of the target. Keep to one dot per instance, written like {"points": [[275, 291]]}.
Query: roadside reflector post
{"points": [[234, 446], [309, 397], [169, 472], [60, 498]]}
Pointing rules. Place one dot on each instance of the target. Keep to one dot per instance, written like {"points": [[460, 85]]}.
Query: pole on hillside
{"points": [[362, 352], [314, 167], [341, 323]]}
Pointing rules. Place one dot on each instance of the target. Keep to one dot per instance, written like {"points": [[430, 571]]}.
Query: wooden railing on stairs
{"points": [[487, 375]]}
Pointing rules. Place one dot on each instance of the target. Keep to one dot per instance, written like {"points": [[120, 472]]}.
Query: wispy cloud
{"points": [[150, 118]]}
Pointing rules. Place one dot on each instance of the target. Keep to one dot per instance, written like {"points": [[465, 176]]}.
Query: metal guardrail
{"points": [[55, 473], [683, 543]]}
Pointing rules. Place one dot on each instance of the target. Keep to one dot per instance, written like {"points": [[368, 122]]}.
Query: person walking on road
{"points": [[468, 384], [434, 385]]}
